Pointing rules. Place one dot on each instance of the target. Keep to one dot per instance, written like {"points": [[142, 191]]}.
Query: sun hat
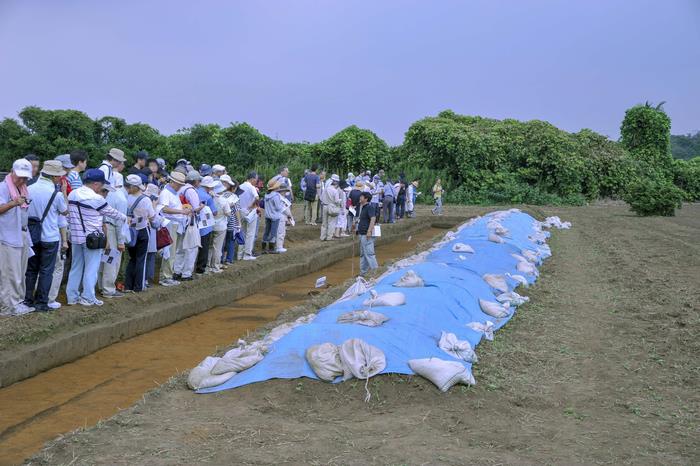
{"points": [[273, 185], [227, 179], [134, 180], [218, 187], [335, 178], [151, 191], [218, 168], [22, 168], [177, 177], [208, 182], [53, 168], [182, 162], [117, 154], [205, 169], [193, 175], [65, 161]]}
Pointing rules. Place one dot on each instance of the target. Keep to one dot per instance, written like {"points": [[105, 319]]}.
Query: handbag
{"points": [[240, 239], [34, 223], [94, 240], [163, 238], [133, 233], [333, 209]]}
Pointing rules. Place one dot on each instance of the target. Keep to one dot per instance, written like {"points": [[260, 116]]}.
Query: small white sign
{"points": [[409, 238], [321, 282], [111, 256], [377, 231]]}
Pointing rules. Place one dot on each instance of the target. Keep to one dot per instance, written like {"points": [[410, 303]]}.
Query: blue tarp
{"points": [[448, 302]]}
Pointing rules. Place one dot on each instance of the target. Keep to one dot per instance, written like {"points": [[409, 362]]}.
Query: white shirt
{"points": [[248, 197], [141, 212], [107, 169], [169, 198]]}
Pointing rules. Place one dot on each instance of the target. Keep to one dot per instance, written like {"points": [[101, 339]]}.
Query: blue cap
{"points": [[205, 169], [94, 174]]}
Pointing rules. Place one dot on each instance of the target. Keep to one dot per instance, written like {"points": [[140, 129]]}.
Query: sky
{"points": [[301, 70]]}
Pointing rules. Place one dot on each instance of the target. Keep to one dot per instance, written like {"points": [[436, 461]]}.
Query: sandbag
{"points": [[362, 317], [496, 310], [486, 328], [520, 279], [385, 299], [460, 349], [461, 247], [494, 238], [512, 298], [518, 257], [538, 237], [201, 377], [410, 280], [324, 360], [360, 286], [444, 374], [237, 360], [497, 282], [413, 260], [360, 359], [531, 256], [527, 267]]}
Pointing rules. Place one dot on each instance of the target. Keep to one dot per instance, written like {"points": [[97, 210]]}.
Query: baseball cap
{"points": [[94, 175], [134, 180], [22, 168], [65, 161]]}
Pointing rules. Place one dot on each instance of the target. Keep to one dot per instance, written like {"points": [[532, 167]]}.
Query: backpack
{"points": [[310, 193], [132, 231]]}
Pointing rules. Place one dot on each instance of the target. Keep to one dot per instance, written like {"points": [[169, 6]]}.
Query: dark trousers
{"points": [[203, 255], [39, 274], [270, 233], [319, 211], [229, 253], [136, 268], [400, 206], [151, 265], [388, 209]]}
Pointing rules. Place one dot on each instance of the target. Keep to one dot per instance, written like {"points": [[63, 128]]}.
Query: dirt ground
{"points": [[601, 367]]}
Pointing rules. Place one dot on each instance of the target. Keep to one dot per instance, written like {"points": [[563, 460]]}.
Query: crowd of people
{"points": [[112, 223]]}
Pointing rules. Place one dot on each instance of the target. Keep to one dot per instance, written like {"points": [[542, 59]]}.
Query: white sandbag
{"points": [[538, 237], [307, 319], [520, 279], [444, 374], [361, 360], [461, 247], [497, 282], [496, 310], [385, 299], [460, 349], [494, 238], [501, 231], [362, 317], [449, 236], [410, 280], [518, 257], [200, 376], [556, 223], [527, 267], [486, 328], [360, 286], [237, 360], [512, 298], [531, 256], [324, 360], [413, 260]]}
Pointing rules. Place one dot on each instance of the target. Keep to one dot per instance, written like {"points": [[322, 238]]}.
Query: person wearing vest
{"points": [[139, 215], [311, 185], [177, 215]]}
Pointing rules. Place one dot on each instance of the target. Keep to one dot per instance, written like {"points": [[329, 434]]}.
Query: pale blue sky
{"points": [[302, 70]]}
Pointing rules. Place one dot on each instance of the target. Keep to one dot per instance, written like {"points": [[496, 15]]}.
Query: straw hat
{"points": [[53, 168], [177, 177], [273, 185]]}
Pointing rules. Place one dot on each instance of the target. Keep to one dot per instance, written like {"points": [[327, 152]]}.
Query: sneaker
{"points": [[169, 282], [249, 258], [177, 276], [186, 279], [87, 303], [217, 270], [280, 250], [114, 294], [21, 309], [54, 305]]}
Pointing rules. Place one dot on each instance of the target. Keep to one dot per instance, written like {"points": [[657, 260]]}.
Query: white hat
{"points": [[208, 182], [53, 168], [151, 190], [117, 154], [226, 179], [22, 168], [218, 168], [134, 180], [335, 178]]}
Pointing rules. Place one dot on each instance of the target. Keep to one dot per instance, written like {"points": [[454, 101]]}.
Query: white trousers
{"points": [[14, 266], [57, 275], [217, 244], [109, 272], [281, 233]]}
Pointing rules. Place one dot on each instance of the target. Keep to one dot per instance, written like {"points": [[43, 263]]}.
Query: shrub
{"points": [[650, 196], [686, 175]]}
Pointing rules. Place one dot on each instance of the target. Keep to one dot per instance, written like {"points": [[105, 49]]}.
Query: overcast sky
{"points": [[302, 70]]}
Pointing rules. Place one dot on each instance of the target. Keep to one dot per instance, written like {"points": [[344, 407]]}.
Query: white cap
{"points": [[208, 182], [218, 168], [134, 180], [226, 179], [22, 168]]}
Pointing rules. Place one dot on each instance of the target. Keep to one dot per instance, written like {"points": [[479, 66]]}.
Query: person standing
{"points": [[330, 203], [48, 204], [401, 198], [58, 269], [365, 228], [388, 202], [274, 214], [86, 212], [79, 160], [321, 186], [437, 195], [156, 223], [354, 200], [206, 222], [14, 238], [112, 160], [186, 256], [139, 164], [312, 184], [116, 235], [177, 215], [233, 224], [223, 213], [411, 196], [248, 200], [140, 214], [34, 160]]}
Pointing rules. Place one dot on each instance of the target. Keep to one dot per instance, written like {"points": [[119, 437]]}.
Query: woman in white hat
{"points": [[140, 213]]}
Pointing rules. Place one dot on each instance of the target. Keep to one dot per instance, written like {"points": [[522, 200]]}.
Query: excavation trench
{"points": [[94, 387]]}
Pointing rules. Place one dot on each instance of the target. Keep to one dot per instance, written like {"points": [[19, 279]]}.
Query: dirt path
{"points": [[600, 368]]}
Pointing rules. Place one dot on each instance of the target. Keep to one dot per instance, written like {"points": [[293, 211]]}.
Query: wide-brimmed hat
{"points": [[193, 175], [208, 182], [227, 179], [177, 177], [65, 161], [117, 154], [151, 191], [218, 168], [53, 168], [335, 178], [273, 185], [205, 169], [134, 180]]}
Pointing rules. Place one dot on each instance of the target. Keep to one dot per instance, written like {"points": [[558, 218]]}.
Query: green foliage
{"points": [[685, 147], [650, 196], [646, 134], [352, 149], [686, 175]]}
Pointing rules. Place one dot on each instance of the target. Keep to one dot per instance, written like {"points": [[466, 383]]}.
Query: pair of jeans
{"points": [[438, 206], [136, 267], [368, 259], [400, 206], [270, 233], [309, 211], [388, 209], [40, 274], [229, 253], [85, 263], [203, 254], [151, 266]]}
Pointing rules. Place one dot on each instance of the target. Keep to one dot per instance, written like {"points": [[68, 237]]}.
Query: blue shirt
{"points": [[74, 180], [40, 193], [207, 200]]}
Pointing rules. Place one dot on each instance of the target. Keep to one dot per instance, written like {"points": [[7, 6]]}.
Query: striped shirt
{"points": [[74, 180], [232, 199], [93, 208]]}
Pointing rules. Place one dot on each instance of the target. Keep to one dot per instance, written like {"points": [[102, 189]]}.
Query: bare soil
{"points": [[601, 367]]}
